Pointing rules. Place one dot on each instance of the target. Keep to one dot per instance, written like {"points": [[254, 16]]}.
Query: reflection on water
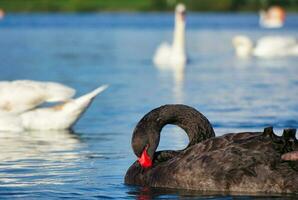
{"points": [[38, 156], [177, 79], [51, 145], [146, 193], [178, 76]]}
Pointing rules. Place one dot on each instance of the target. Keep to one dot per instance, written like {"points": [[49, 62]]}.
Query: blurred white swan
{"points": [[58, 117], [173, 56], [22, 95], [266, 47], [274, 17]]}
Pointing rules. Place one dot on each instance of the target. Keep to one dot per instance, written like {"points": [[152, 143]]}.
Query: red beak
{"points": [[145, 161]]}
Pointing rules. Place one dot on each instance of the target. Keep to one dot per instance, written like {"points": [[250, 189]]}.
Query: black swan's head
{"points": [[146, 134]]}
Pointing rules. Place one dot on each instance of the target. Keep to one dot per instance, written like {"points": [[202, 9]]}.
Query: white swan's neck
{"points": [[179, 33], [243, 45]]}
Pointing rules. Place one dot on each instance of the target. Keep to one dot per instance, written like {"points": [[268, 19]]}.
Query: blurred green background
{"points": [[141, 5]]}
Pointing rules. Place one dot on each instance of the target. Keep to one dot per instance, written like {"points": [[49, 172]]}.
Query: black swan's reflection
{"points": [[148, 193]]}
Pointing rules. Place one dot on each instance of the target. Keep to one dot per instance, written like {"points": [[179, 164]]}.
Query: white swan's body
{"points": [[266, 47], [273, 18], [173, 56], [58, 117], [23, 95]]}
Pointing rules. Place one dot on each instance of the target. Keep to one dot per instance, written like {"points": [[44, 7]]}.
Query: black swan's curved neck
{"points": [[147, 131]]}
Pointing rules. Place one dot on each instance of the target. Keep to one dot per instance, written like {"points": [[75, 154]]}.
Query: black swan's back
{"points": [[243, 162], [247, 162]]}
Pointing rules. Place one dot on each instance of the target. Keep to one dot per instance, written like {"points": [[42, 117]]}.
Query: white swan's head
{"points": [[180, 8], [180, 11], [243, 46]]}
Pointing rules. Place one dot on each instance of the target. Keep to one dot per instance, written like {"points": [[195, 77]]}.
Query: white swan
{"points": [[273, 18], [169, 56], [266, 47], [22, 95], [58, 117]]}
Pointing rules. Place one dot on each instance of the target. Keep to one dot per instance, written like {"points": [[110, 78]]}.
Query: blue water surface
{"points": [[87, 50]]}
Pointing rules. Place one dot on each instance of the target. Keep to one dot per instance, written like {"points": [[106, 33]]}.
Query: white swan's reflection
{"points": [[38, 145], [30, 158], [177, 75]]}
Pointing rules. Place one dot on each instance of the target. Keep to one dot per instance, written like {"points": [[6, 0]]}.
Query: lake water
{"points": [[87, 50]]}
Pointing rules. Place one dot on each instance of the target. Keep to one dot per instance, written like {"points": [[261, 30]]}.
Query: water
{"points": [[87, 50]]}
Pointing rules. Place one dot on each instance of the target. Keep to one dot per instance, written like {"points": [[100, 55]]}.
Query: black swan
{"points": [[248, 162]]}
